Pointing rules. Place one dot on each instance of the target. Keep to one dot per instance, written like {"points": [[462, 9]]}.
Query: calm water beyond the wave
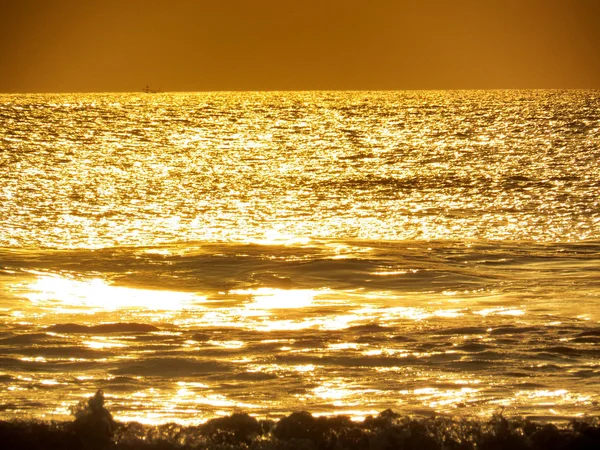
{"points": [[199, 254]]}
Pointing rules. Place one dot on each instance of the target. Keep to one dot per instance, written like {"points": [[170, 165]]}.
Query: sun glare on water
{"points": [[270, 298], [98, 294]]}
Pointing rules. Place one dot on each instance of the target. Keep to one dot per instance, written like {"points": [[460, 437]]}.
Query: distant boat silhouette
{"points": [[148, 90]]}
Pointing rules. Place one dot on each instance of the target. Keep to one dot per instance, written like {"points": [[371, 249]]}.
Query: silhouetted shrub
{"points": [[324, 432], [502, 435], [93, 423], [95, 429], [298, 425], [383, 419], [235, 429], [33, 435]]}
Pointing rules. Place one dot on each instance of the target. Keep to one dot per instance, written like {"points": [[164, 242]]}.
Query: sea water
{"points": [[198, 254]]}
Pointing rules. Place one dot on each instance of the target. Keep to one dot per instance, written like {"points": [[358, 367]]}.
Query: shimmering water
{"points": [[199, 254]]}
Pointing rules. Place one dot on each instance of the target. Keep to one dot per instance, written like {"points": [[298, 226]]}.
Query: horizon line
{"points": [[158, 92]]}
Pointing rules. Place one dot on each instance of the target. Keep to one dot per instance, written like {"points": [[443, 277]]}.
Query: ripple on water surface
{"points": [[113, 169]]}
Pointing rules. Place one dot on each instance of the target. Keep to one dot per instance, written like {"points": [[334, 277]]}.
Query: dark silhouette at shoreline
{"points": [[95, 429], [94, 424]]}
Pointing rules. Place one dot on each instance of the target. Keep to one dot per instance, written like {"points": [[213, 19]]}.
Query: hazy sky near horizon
{"points": [[187, 45]]}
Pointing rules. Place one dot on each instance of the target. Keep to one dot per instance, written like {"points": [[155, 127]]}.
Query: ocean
{"points": [[199, 254]]}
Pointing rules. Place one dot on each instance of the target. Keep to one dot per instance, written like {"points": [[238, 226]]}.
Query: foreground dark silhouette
{"points": [[94, 428]]}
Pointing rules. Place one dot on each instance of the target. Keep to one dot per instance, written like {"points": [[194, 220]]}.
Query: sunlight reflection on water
{"points": [[64, 293], [337, 252], [269, 298], [404, 343]]}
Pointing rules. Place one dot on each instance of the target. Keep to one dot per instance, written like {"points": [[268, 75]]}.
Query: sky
{"points": [[212, 45]]}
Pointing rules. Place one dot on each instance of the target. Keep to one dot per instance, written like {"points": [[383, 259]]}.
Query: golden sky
{"points": [[200, 45]]}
